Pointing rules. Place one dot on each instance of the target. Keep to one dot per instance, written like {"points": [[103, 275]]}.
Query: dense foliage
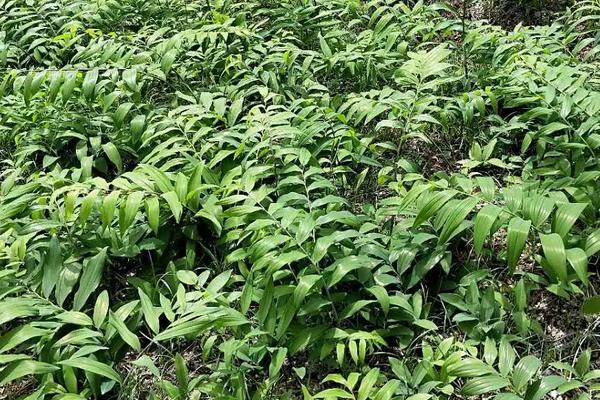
{"points": [[311, 199]]}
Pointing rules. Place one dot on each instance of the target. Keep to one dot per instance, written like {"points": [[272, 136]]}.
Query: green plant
{"points": [[258, 199]]}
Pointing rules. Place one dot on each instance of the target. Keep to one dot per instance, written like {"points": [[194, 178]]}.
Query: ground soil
{"points": [[510, 13]]}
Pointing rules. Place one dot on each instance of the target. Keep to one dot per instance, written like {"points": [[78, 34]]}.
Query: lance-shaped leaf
{"points": [[456, 217], [128, 337], [129, 209], [174, 204], [90, 279], [20, 368], [150, 314], [52, 266], [113, 155], [518, 231], [484, 384], [525, 369], [432, 205], [565, 217], [554, 252], [579, 262], [483, 225], [93, 366], [89, 83]]}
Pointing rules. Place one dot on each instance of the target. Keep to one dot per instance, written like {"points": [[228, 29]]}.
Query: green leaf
{"points": [[277, 360], [565, 217], [553, 127], [520, 295], [93, 366], [27, 88], [19, 335], [146, 361], [247, 294], [486, 185], [382, 297], [518, 231], [67, 281], [333, 393], [344, 266], [55, 84], [420, 396], [490, 352], [544, 386], [52, 266], [129, 209], [21, 368], [592, 243], [483, 224], [89, 83], [137, 125], [66, 90], [187, 277], [366, 385], [324, 47], [123, 331], [153, 213], [554, 251], [107, 210], [425, 324], [484, 384], [150, 314], [424, 266], [287, 313], [354, 307], [74, 317], [234, 111], [87, 206], [524, 371], [174, 204], [468, 368], [79, 337], [537, 208], [121, 113], [388, 390], [507, 396], [456, 217], [582, 366], [454, 300], [303, 287], [90, 279], [219, 282], [166, 63], [432, 205], [591, 305], [513, 196], [113, 155], [130, 77], [579, 262], [506, 357], [181, 372], [101, 309], [186, 328]]}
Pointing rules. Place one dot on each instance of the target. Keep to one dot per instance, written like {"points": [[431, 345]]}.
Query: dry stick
{"points": [[591, 327], [462, 35]]}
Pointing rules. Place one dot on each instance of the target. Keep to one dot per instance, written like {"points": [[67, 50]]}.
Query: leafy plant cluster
{"points": [[318, 199]]}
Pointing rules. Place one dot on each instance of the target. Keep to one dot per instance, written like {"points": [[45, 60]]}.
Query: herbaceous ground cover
{"points": [[294, 199]]}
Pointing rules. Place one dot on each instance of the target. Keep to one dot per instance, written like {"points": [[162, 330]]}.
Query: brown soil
{"points": [[18, 389], [509, 13], [566, 330]]}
